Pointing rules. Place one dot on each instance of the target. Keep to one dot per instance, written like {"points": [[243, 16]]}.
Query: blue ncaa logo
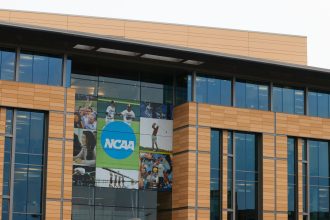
{"points": [[118, 140]]}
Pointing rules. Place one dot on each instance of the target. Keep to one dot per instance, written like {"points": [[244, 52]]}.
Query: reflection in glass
{"points": [[213, 90], [250, 95], [318, 179], [7, 65], [292, 184], [288, 100], [215, 175], [28, 168], [246, 175], [40, 69]]}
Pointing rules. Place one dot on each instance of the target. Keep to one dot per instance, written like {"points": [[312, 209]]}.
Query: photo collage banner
{"points": [[122, 144]]}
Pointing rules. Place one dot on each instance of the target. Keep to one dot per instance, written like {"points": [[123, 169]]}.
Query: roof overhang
{"points": [[104, 47]]}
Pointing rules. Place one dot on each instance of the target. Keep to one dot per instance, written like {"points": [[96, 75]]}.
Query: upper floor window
{"points": [[40, 69], [318, 104], [288, 100], [213, 90], [7, 65], [251, 95]]}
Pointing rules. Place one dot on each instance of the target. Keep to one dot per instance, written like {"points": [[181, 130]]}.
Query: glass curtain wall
{"points": [[251, 95], [288, 100], [213, 90], [318, 104], [242, 176], [24, 165], [319, 177], [134, 186], [292, 178], [215, 184], [7, 64]]}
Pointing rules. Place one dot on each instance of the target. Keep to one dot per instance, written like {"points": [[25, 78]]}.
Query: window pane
{"points": [[40, 69], [7, 65], [22, 131], [68, 73], [85, 86], [250, 192], [20, 188], [120, 91], [251, 96], [25, 68], [215, 175], [263, 97], [225, 92], [323, 159], [213, 91], [288, 100], [34, 189], [201, 89], [55, 71], [240, 94], [9, 121], [299, 102], [277, 99], [240, 151], [322, 105], [312, 103]]}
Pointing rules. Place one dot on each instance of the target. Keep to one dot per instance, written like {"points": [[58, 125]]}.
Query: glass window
{"points": [[84, 84], [40, 69], [288, 100], [318, 104], [250, 95], [246, 160], [183, 89], [119, 88], [318, 179], [68, 72], [292, 184], [215, 175], [7, 65], [28, 167], [213, 90]]}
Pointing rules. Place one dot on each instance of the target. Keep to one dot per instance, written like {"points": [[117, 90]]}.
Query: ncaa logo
{"points": [[118, 140]]}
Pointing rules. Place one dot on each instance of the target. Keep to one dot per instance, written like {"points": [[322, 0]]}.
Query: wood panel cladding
{"points": [[284, 48], [59, 103], [193, 123]]}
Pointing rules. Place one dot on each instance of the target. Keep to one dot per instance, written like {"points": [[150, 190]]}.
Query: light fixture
{"points": [[162, 58], [83, 47], [193, 62], [118, 52]]}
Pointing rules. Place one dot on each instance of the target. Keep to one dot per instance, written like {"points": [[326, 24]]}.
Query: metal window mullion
{"points": [[193, 87], [306, 110], [233, 92], [270, 97], [12, 166], [234, 176], [307, 181], [17, 61], [64, 73]]}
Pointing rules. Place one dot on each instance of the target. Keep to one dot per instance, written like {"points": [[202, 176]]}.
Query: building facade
{"points": [[119, 119]]}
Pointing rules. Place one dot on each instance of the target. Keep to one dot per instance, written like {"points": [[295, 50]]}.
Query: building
{"points": [[118, 119]]}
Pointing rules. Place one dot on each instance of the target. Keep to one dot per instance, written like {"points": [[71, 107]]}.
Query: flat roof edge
{"points": [[154, 22], [164, 46]]}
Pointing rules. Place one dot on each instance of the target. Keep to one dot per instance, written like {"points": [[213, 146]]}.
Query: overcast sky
{"points": [[310, 18]]}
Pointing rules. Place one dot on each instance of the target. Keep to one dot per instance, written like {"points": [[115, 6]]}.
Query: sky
{"points": [[309, 18]]}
